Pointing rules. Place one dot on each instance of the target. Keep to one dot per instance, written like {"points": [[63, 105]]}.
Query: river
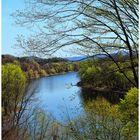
{"points": [[58, 95], [70, 107]]}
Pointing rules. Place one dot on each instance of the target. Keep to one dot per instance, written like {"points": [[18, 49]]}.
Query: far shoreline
{"points": [[56, 74]]}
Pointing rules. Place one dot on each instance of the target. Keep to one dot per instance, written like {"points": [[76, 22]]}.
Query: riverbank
{"points": [[99, 89], [49, 75], [59, 73]]}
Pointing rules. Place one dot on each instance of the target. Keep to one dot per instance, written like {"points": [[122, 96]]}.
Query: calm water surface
{"points": [[58, 95]]}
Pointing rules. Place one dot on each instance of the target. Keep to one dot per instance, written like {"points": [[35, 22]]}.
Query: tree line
{"points": [[104, 74], [35, 68]]}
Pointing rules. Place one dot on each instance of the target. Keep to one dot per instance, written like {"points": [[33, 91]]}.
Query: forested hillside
{"points": [[35, 67]]}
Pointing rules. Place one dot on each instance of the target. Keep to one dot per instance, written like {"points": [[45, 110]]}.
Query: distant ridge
{"points": [[96, 56], [75, 58], [59, 59], [82, 58]]}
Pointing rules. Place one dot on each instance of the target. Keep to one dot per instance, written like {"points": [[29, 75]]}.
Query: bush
{"points": [[105, 74], [13, 86], [102, 120], [42, 73], [129, 111], [30, 74]]}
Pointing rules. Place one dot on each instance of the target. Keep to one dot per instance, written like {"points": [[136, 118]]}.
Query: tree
{"points": [[42, 72], [90, 74], [97, 26], [13, 98], [24, 66], [30, 74], [13, 86], [129, 110], [106, 121], [102, 122], [15, 101]]}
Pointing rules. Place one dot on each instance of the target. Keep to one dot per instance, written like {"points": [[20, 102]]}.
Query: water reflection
{"points": [[60, 96], [111, 96], [57, 95]]}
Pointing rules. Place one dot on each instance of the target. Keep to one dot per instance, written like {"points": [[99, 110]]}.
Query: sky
{"points": [[10, 30]]}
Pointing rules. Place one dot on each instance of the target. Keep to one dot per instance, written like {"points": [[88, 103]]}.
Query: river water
{"points": [[59, 96]]}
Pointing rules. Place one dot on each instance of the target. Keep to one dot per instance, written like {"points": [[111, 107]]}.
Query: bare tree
{"points": [[93, 26]]}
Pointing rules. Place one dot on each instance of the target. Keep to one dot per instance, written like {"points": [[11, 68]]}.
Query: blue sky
{"points": [[9, 29]]}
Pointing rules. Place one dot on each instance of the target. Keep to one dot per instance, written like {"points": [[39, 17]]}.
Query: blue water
{"points": [[58, 96]]}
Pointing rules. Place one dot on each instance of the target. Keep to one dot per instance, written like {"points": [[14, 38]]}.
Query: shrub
{"points": [[13, 86], [129, 111]]}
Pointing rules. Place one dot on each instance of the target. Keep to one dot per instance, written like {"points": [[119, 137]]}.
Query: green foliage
{"points": [[13, 85], [116, 80], [90, 74], [129, 111], [105, 74], [70, 67], [106, 121], [102, 120]]}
